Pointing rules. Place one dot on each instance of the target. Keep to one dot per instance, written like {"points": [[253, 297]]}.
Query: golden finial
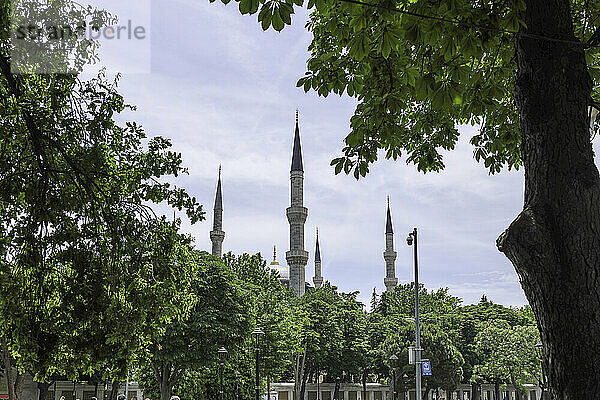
{"points": [[317, 233], [274, 262], [296, 116], [388, 200], [219, 171]]}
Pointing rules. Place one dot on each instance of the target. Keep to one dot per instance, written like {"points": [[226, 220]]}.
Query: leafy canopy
{"points": [[420, 68], [84, 262]]}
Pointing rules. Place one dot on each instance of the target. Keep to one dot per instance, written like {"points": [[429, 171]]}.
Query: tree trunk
{"points": [[364, 383], [8, 371], [303, 385], [165, 386], [553, 243], [165, 392], [14, 379], [497, 390], [19, 383], [475, 391], [299, 375], [513, 382], [43, 390], [114, 390]]}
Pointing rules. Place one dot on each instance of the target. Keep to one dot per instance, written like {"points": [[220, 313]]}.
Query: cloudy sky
{"points": [[225, 92]]}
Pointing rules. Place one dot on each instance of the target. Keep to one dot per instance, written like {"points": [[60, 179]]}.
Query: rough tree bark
{"points": [[426, 392], [14, 379], [554, 243], [475, 391], [497, 389], [299, 374], [167, 376], [336, 390], [303, 383], [364, 376], [114, 390], [43, 390]]}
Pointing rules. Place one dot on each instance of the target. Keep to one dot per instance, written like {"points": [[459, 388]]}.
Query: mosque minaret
{"points": [[389, 255], [296, 214], [293, 275], [217, 234], [317, 279]]}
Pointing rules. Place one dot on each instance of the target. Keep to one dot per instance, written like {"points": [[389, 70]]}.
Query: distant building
{"points": [[377, 391]]}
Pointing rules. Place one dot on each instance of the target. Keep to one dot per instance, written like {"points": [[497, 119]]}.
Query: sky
{"points": [[225, 93]]}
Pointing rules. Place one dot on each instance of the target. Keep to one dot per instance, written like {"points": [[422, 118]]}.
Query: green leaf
{"points": [[277, 21], [245, 6], [265, 16]]}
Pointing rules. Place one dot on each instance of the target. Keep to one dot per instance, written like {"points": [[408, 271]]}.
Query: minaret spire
{"points": [[217, 234], [296, 214], [297, 150], [389, 255], [317, 279]]}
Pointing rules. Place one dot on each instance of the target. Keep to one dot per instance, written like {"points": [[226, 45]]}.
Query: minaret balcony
{"points": [[296, 214], [217, 234], [390, 255], [390, 282], [296, 257]]}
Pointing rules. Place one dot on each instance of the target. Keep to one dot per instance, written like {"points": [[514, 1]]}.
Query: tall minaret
{"points": [[389, 255], [297, 257], [317, 279], [217, 234]]}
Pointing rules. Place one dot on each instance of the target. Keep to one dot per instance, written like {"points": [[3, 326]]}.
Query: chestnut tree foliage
{"points": [[419, 68]]}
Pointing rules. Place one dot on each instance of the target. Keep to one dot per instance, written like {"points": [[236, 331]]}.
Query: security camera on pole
{"points": [[412, 237]]}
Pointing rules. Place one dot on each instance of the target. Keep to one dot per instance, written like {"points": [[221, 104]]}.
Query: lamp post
{"points": [[257, 335], [318, 384], [411, 240], [405, 381], [540, 352], [393, 363], [222, 353]]}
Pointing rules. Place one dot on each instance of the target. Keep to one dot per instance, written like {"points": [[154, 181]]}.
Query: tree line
{"points": [[331, 335]]}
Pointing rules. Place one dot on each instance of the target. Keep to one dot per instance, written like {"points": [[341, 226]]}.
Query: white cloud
{"points": [[231, 101]]}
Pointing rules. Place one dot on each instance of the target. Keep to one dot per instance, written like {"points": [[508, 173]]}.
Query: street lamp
{"points": [[540, 353], [257, 335], [405, 381], [222, 353], [393, 364], [411, 240]]}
